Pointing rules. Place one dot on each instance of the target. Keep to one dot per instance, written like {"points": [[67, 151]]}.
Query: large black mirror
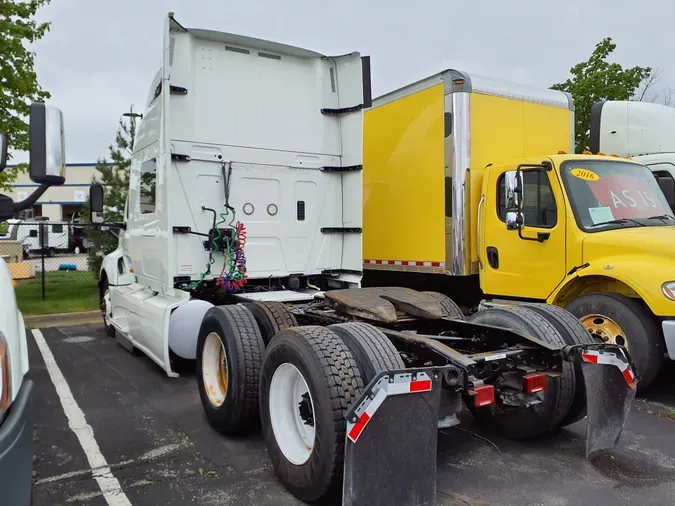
{"points": [[667, 184], [47, 145], [3, 152], [96, 203]]}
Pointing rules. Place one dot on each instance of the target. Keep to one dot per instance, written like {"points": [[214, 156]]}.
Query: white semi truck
{"points": [[640, 130], [241, 249], [47, 167]]}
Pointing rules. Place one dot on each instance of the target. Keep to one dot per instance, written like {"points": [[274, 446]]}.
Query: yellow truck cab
{"points": [[463, 194]]}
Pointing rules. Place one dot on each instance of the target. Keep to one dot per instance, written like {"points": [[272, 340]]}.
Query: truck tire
{"points": [[540, 419], [309, 380], [573, 332], [606, 314], [104, 300], [230, 351], [271, 317], [373, 351], [449, 308]]}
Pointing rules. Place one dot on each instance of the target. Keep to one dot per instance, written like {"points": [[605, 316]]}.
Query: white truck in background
{"points": [[39, 235], [241, 249], [642, 131], [47, 167]]}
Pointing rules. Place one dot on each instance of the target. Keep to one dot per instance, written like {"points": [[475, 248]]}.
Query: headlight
{"points": [[5, 377], [668, 289]]}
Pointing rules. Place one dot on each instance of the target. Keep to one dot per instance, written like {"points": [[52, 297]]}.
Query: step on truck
{"points": [[242, 250], [470, 190], [47, 168]]}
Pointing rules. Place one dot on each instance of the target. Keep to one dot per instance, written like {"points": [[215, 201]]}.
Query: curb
{"points": [[62, 319]]}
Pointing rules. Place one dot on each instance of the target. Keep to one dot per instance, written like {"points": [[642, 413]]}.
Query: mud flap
{"points": [[610, 391], [392, 430]]}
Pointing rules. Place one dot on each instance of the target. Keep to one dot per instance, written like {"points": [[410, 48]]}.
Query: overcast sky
{"points": [[101, 55]]}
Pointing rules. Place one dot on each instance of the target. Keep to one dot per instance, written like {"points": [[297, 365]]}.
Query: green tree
{"points": [[18, 80], [595, 80], [114, 176]]}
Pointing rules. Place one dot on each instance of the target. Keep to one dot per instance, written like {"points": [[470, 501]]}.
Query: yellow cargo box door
{"points": [[403, 182]]}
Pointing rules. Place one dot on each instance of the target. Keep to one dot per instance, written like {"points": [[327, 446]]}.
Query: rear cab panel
{"points": [[275, 140]]}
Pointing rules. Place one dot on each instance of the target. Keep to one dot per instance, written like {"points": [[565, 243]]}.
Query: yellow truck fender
{"points": [[625, 274]]}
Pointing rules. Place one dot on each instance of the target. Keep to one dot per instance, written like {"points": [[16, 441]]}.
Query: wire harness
{"points": [[232, 277]]}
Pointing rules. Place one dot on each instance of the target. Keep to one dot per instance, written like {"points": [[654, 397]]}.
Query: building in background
{"points": [[59, 203]]}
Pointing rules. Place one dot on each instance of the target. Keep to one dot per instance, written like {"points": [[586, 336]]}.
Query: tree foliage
{"points": [[595, 80], [114, 177], [18, 80]]}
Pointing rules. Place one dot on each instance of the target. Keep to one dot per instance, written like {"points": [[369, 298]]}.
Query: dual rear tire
{"points": [[565, 397], [298, 389]]}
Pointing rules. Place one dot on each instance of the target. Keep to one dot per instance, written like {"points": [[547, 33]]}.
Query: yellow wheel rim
{"points": [[605, 329], [214, 369]]}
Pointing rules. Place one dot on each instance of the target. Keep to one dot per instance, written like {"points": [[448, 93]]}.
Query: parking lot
{"points": [[111, 428]]}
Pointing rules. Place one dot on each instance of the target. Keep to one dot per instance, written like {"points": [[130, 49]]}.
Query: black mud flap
{"points": [[610, 390], [392, 430]]}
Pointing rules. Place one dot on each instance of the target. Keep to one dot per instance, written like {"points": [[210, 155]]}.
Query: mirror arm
{"points": [[25, 204]]}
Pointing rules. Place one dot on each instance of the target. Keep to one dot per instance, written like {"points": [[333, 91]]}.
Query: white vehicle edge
{"points": [[643, 131]]}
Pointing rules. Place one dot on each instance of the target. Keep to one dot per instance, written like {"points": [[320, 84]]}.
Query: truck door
{"points": [[147, 244], [530, 266]]}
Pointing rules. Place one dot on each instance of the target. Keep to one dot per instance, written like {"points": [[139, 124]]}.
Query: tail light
{"points": [[533, 383], [5, 376], [483, 395]]}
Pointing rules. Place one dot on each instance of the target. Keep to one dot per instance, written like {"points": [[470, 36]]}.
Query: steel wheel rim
{"points": [[292, 415], [214, 370], [604, 329]]}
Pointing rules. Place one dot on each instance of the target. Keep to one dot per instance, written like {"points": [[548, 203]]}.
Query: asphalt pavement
{"points": [[148, 442]]}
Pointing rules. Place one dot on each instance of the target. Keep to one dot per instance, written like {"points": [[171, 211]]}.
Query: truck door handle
{"points": [[493, 257]]}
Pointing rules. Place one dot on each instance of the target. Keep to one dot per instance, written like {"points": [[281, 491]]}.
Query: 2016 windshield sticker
{"points": [[585, 174]]}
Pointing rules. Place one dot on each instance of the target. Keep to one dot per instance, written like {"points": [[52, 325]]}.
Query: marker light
{"points": [[668, 289]]}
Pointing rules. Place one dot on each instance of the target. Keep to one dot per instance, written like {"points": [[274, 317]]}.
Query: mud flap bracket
{"points": [[392, 431], [610, 380]]}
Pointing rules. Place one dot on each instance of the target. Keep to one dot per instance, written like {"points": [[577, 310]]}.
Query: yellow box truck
{"points": [[464, 194]]}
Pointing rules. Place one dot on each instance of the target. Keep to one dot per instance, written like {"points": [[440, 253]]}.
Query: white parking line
{"points": [[110, 487]]}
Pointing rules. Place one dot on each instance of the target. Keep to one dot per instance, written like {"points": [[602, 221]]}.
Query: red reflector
{"points": [[533, 383], [420, 386], [358, 427], [483, 395]]}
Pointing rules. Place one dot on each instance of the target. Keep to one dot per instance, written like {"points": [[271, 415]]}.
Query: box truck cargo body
{"points": [[421, 142]]}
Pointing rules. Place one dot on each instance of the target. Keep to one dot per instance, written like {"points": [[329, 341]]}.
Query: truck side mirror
{"points": [[667, 184], [3, 152], [513, 199], [47, 156], [96, 203], [47, 145]]}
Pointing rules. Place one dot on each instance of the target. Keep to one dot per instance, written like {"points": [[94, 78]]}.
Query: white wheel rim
{"points": [[289, 402], [214, 369]]}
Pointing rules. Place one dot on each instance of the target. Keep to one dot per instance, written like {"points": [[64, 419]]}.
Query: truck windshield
{"points": [[614, 194]]}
